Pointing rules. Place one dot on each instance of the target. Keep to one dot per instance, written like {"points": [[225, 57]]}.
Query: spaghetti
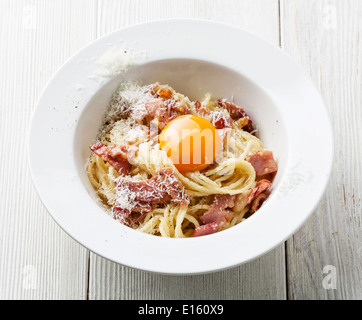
{"points": [[141, 186]]}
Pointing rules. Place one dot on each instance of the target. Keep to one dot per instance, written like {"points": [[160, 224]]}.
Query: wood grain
{"points": [[325, 38], [37, 259]]}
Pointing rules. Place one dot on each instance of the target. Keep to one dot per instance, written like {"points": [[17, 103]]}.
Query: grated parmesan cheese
{"points": [[125, 199], [115, 61], [128, 131], [129, 97]]}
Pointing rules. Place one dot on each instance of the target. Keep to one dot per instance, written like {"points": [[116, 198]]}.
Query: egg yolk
{"points": [[191, 142]]}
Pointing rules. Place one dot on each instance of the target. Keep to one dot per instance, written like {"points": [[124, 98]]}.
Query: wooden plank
{"points": [[263, 278], [325, 38], [37, 259]]}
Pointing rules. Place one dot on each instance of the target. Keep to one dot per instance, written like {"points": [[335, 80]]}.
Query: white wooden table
{"points": [[321, 261]]}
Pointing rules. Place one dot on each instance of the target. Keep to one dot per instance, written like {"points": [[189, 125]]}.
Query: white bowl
{"points": [[194, 57]]}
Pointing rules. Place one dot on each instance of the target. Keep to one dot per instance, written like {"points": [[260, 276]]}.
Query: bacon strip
{"points": [[217, 212], [215, 117], [153, 108], [162, 111], [263, 162], [258, 201], [116, 156], [206, 229], [221, 122], [160, 189], [164, 93], [176, 109], [138, 196], [261, 187], [217, 215], [128, 219], [236, 113], [259, 194]]}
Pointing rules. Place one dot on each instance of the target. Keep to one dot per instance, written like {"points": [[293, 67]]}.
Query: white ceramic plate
{"points": [[194, 57]]}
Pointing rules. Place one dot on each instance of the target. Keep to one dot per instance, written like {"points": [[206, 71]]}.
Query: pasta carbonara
{"points": [[143, 187]]}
